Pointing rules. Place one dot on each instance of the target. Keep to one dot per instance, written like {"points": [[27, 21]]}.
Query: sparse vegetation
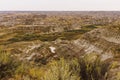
{"points": [[64, 69], [68, 46]]}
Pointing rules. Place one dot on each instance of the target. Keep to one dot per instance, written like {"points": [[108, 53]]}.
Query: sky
{"points": [[59, 5]]}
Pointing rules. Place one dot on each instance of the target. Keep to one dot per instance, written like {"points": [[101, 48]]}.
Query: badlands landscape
{"points": [[66, 45]]}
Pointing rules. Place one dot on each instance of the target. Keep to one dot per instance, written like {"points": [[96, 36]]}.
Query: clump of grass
{"points": [[62, 70], [118, 76], [30, 72], [92, 69], [7, 65]]}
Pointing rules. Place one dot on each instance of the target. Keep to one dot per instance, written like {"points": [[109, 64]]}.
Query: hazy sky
{"points": [[59, 5]]}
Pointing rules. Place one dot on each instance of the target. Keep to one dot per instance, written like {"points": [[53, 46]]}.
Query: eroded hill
{"points": [[40, 38]]}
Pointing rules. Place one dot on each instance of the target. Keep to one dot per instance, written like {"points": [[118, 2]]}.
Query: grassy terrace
{"points": [[66, 35]]}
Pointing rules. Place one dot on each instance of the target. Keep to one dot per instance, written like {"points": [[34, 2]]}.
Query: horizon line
{"points": [[57, 10]]}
